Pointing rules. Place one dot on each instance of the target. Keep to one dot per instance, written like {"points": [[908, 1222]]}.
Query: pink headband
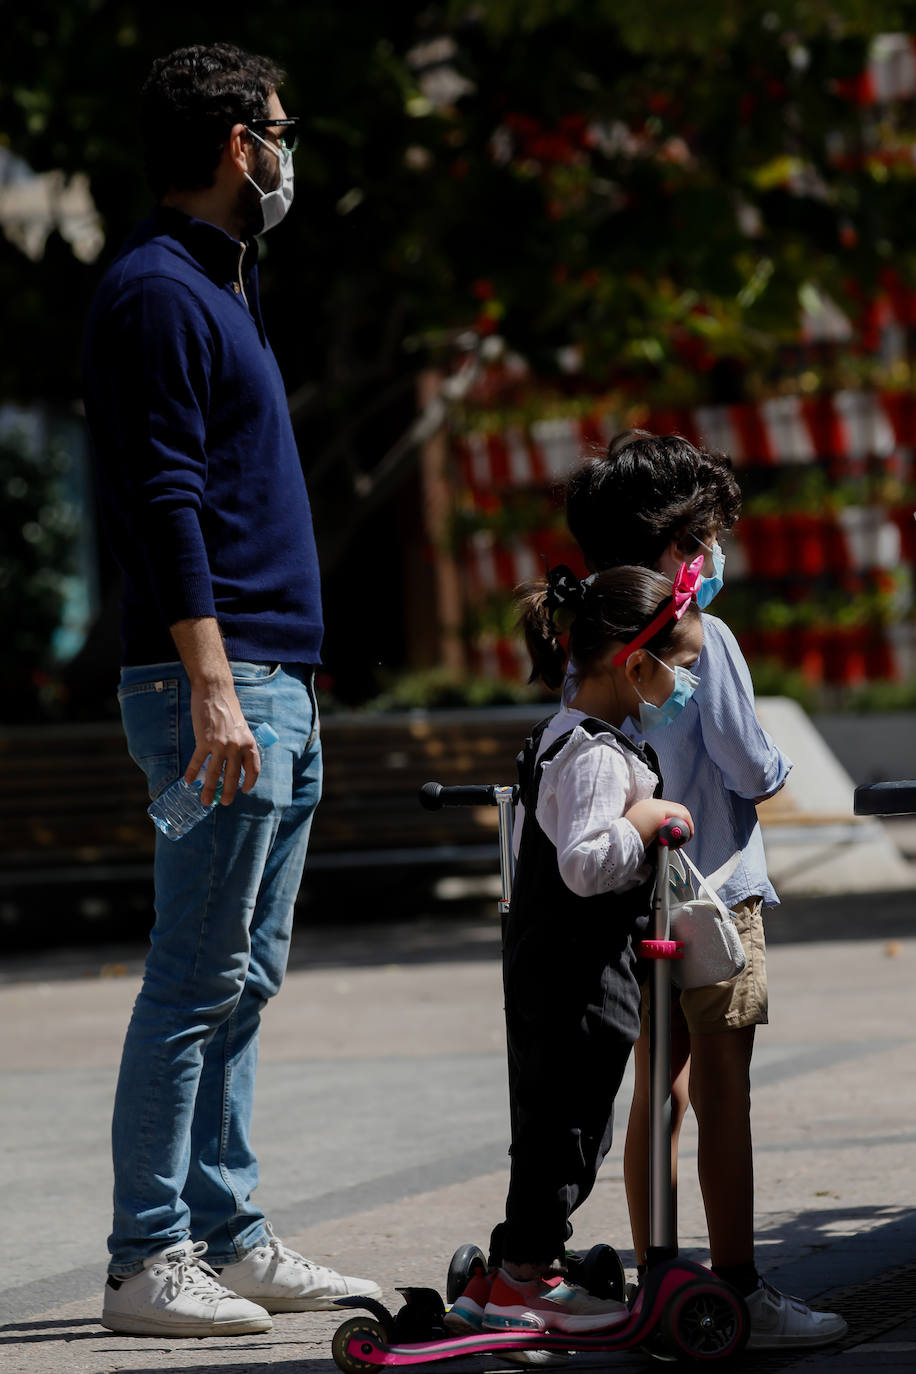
{"points": [[685, 590]]}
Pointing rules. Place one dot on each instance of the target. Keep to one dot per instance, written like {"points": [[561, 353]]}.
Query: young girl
{"points": [[589, 810], [657, 501]]}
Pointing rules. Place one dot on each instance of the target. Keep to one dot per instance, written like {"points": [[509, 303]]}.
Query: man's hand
{"points": [[220, 729]]}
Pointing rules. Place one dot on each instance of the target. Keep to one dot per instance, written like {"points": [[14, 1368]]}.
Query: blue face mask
{"points": [[685, 684], [711, 586]]}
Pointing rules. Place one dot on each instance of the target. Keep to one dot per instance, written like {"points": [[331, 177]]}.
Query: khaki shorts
{"points": [[728, 1006]]}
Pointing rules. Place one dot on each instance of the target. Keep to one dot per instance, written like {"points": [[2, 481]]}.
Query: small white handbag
{"points": [[713, 952]]}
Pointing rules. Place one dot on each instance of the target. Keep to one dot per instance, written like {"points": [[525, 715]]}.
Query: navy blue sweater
{"points": [[201, 489]]}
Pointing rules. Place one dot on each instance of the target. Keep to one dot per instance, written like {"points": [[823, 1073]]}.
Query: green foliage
{"points": [[439, 689], [637, 196], [668, 26], [37, 535], [882, 696], [773, 679], [657, 184]]}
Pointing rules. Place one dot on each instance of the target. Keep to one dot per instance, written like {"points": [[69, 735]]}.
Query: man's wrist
{"points": [[209, 682], [203, 654]]}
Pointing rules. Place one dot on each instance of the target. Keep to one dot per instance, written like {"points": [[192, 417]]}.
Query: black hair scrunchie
{"points": [[565, 594]]}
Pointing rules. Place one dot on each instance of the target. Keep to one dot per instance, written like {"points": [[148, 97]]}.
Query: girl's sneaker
{"points": [[779, 1322], [548, 1305], [466, 1313]]}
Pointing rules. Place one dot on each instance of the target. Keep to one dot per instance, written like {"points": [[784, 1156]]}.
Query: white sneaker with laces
{"points": [[779, 1321], [176, 1294], [282, 1280]]}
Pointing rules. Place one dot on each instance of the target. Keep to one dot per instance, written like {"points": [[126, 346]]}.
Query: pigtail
{"points": [[542, 638], [547, 610], [613, 607]]}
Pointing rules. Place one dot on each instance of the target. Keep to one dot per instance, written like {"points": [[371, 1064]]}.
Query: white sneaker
{"points": [[281, 1280], [781, 1322], [176, 1294], [547, 1358]]}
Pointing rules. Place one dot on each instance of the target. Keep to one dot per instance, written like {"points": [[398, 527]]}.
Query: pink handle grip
{"points": [[673, 833]]}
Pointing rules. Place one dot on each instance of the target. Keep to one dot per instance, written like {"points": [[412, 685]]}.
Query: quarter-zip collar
{"points": [[241, 277], [225, 259]]}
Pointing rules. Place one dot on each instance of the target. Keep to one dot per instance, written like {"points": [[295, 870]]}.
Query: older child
{"points": [[589, 810], [657, 500]]}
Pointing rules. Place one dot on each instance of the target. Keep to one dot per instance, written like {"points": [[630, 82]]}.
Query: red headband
{"points": [[685, 590]]}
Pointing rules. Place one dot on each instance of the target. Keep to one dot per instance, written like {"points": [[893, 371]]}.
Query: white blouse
{"points": [[584, 792]]}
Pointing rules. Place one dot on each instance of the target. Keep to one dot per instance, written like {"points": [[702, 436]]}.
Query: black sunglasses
{"points": [[287, 141]]}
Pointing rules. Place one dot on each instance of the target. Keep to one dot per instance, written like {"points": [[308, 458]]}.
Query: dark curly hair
{"points": [[188, 104], [627, 505], [613, 608]]}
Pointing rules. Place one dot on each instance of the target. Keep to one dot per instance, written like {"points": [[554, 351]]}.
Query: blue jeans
{"points": [[183, 1162]]}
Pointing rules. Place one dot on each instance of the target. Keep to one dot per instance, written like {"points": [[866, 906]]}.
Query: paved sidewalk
{"points": [[381, 1125]]}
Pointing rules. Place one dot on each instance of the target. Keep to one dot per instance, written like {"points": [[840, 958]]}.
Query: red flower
{"points": [[522, 124]]}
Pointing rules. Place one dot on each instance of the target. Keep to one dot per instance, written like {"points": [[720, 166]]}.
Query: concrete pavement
{"points": [[381, 1128]]}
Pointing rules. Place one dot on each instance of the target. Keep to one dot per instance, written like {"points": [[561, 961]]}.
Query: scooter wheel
{"points": [[704, 1322], [466, 1261], [368, 1332], [421, 1317], [600, 1271]]}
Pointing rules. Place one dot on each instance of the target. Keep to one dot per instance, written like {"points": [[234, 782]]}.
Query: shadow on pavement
{"points": [[28, 1333], [355, 922]]}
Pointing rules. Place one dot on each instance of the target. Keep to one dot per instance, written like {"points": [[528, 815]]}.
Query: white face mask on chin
{"points": [[275, 203]]}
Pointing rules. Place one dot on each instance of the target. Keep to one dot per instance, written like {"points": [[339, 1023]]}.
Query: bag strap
{"points": [[724, 871], [709, 885]]}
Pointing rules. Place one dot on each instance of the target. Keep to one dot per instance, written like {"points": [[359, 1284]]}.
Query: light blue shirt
{"points": [[716, 758]]}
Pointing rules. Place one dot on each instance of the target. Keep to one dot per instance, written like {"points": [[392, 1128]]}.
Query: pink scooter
{"points": [[680, 1312]]}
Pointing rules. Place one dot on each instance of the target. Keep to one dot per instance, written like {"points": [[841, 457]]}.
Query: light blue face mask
{"points": [[711, 586], [685, 684]]}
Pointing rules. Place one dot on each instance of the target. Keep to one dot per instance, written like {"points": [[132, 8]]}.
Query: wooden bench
{"points": [[73, 808], [73, 803], [70, 799], [375, 766]]}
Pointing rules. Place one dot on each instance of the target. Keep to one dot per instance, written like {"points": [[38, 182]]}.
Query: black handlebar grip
{"points": [[673, 833], [885, 798], [433, 796]]}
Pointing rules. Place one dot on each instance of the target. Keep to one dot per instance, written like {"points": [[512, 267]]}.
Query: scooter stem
{"points": [[662, 1240]]}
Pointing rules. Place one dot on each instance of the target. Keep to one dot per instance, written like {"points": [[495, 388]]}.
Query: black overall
{"points": [[572, 993]]}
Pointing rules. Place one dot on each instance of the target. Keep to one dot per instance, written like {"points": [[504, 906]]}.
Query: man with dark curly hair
{"points": [[206, 510]]}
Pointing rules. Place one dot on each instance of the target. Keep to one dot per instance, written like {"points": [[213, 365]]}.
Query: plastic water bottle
{"points": [[178, 809]]}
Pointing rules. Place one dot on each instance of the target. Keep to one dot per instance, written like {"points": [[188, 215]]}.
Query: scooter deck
{"points": [[376, 1355], [682, 1308]]}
